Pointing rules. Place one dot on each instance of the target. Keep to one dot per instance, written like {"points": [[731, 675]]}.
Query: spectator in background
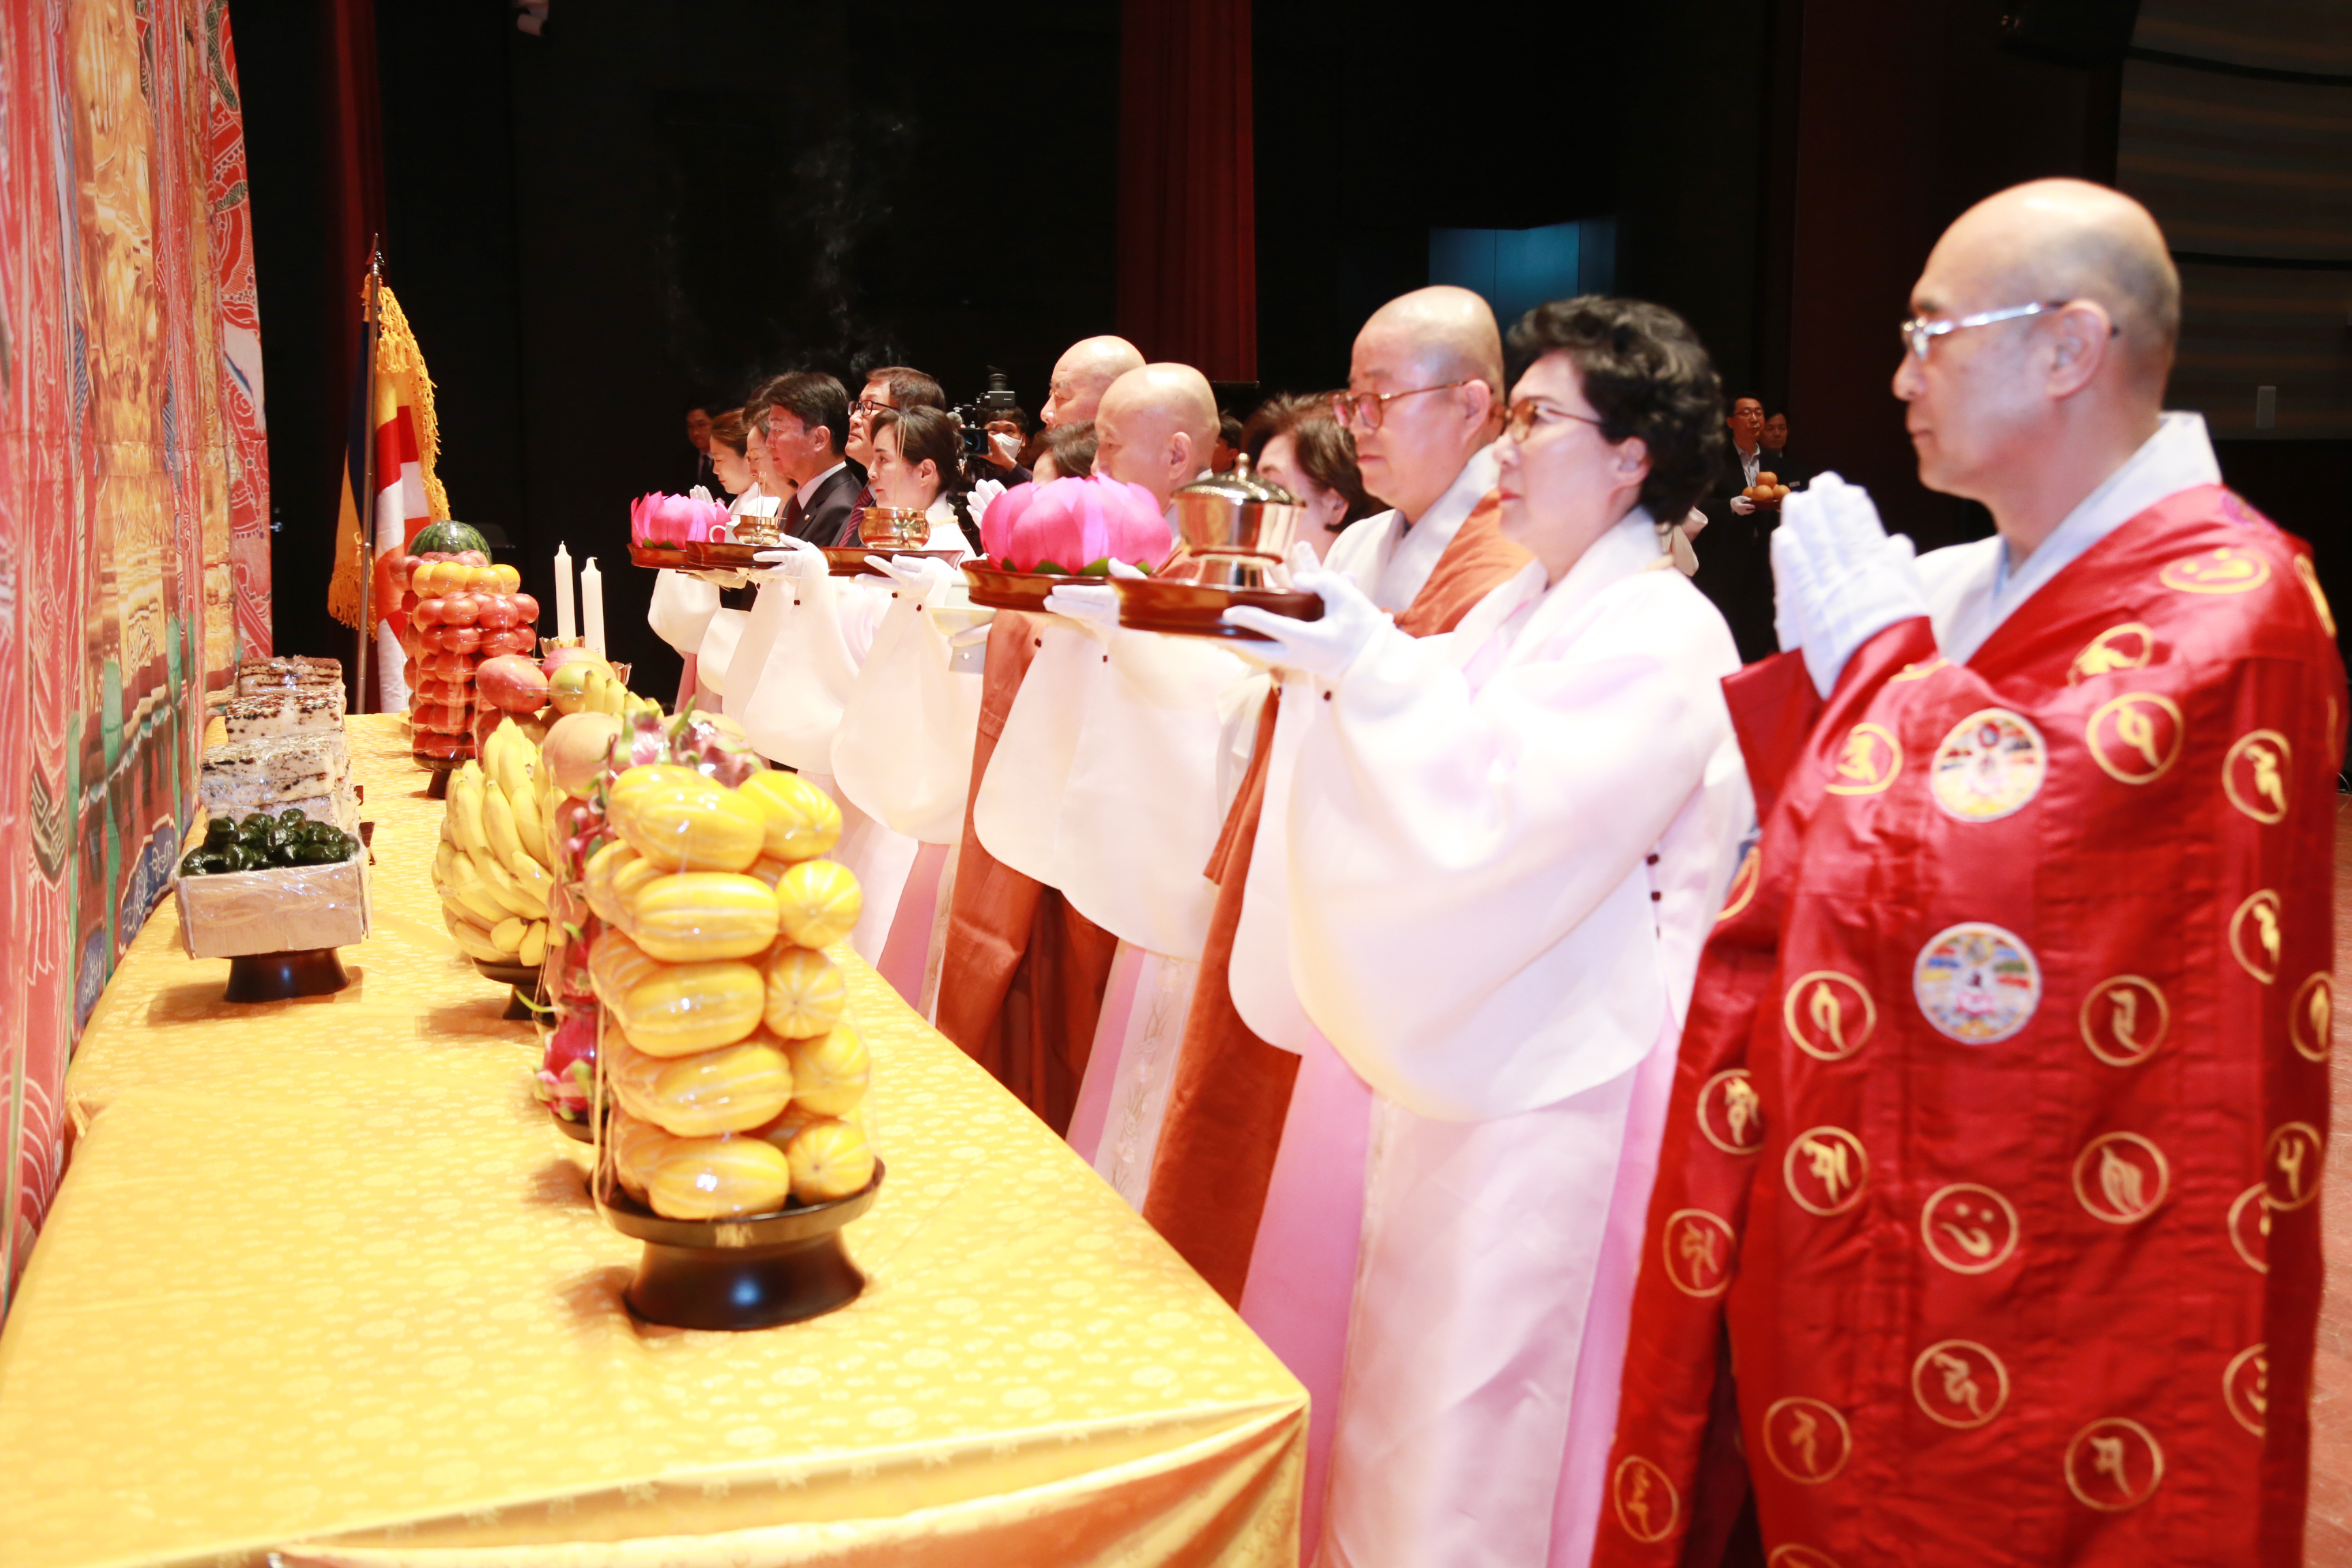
{"points": [[1229, 444], [697, 435], [1734, 566], [1777, 461], [1293, 442], [997, 462], [1065, 452]]}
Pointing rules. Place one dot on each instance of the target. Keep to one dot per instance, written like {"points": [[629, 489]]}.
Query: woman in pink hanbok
{"points": [[1504, 848]]}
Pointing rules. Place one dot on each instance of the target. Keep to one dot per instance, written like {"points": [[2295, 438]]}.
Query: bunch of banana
{"points": [[738, 1080], [491, 868]]}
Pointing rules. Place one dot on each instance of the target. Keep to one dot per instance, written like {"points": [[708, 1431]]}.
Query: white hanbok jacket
{"points": [[1504, 848]]}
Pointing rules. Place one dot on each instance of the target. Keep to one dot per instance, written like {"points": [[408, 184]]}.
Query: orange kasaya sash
{"points": [[1231, 1090]]}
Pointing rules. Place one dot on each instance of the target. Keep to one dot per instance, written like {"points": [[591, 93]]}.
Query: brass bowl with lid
{"points": [[1235, 526], [893, 527]]}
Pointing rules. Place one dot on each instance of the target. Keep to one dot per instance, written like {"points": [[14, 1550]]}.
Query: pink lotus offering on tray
{"points": [[1074, 528], [666, 522]]}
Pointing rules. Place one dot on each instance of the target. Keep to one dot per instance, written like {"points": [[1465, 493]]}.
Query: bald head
{"points": [[1083, 374], [2030, 411], [2054, 240], [1441, 338], [1155, 427]]}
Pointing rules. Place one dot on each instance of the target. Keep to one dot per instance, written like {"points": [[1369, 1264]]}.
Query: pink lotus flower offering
{"points": [[658, 520], [1074, 528]]}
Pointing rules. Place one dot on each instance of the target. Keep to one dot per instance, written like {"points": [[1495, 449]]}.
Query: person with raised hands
{"points": [[1504, 848], [1990, 1177]]}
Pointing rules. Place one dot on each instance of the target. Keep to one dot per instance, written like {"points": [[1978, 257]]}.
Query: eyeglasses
{"points": [[1367, 408], [1529, 411], [868, 407], [1920, 332]]}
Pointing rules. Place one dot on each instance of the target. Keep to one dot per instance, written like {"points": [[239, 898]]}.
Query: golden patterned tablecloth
{"points": [[322, 1279]]}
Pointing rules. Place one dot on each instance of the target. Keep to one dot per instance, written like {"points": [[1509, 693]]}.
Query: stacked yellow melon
{"points": [[737, 1081]]}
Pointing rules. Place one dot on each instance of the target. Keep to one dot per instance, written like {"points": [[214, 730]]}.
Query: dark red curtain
{"points": [[354, 128], [1186, 199]]}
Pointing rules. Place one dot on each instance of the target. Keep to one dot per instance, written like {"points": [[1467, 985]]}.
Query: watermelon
{"points": [[450, 537]]}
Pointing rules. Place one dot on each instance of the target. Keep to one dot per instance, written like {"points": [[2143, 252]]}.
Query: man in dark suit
{"points": [[808, 423], [1735, 561], [1791, 471]]}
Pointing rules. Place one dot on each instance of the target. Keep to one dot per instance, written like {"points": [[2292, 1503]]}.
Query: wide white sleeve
{"points": [[681, 610], [1460, 866]]}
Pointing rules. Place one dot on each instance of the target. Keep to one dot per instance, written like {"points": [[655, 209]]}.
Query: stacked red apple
{"points": [[461, 610]]}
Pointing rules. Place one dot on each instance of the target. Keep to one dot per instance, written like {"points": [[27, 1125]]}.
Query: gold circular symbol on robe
{"points": [[2250, 1228], [2254, 935], [2246, 1384], [1959, 1382], [1699, 1248], [1800, 1557], [2127, 646], [2227, 570], [1826, 1169], [1919, 671], [2136, 738], [1969, 1229], [2253, 775], [1806, 1439], [1729, 1113], [1867, 763], [2308, 575], [2125, 1019], [1648, 1508], [1828, 1015], [2291, 1163], [2121, 1178], [1977, 984], [1742, 892], [2114, 1465], [2311, 1017], [1990, 765]]}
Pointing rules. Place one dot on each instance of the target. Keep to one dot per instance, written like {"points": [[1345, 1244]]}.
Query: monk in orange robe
{"points": [[1995, 1144]]}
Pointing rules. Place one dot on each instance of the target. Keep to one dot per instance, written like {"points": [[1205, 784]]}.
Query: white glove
{"points": [[1351, 624], [975, 504], [796, 558], [1132, 574], [1788, 608], [1087, 604], [1742, 506], [1845, 581], [920, 576], [702, 494]]}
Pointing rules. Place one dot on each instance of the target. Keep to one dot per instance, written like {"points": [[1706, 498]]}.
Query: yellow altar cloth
{"points": [[323, 1281]]}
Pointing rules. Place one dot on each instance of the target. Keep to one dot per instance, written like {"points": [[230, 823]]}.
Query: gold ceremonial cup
{"points": [[1235, 526], [893, 528]]}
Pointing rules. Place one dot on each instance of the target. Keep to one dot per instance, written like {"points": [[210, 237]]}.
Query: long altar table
{"points": [[323, 1281]]}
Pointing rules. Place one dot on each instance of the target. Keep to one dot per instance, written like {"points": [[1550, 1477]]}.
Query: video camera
{"points": [[997, 402]]}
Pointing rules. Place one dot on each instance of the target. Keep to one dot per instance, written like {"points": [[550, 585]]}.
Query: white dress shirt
{"points": [[1972, 589]]}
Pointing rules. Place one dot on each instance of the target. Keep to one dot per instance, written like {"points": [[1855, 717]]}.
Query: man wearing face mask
{"points": [[1996, 1138]]}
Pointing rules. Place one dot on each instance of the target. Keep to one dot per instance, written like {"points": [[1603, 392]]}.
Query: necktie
{"points": [[792, 515]]}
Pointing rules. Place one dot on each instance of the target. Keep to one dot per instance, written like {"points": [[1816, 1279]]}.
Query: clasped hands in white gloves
{"points": [[1351, 624], [1839, 578], [1741, 506]]}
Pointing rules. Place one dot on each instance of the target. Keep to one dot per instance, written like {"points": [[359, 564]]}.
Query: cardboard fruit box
{"points": [[282, 908]]}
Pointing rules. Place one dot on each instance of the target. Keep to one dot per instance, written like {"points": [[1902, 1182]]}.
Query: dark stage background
{"points": [[656, 201]]}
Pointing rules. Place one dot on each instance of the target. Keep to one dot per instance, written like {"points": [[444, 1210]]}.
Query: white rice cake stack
{"points": [[255, 676], [274, 772], [293, 710]]}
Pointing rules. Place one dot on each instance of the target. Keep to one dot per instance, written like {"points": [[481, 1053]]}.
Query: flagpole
{"points": [[369, 302]]}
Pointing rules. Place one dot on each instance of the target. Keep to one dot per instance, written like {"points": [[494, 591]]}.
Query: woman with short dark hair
{"points": [[1293, 442], [1068, 452], [1506, 847]]}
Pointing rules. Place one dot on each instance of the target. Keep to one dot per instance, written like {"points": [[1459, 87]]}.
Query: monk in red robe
{"points": [[1987, 1202]]}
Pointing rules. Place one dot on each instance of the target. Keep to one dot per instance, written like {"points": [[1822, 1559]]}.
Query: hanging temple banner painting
{"points": [[135, 543]]}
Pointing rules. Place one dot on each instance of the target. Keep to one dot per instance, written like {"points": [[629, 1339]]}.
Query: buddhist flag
{"points": [[407, 494]]}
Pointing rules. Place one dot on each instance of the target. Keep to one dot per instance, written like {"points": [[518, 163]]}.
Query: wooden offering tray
{"points": [[659, 558], [752, 1273], [720, 555], [1193, 609], [849, 560], [999, 589]]}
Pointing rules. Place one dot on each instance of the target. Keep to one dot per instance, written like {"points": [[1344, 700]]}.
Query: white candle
{"points": [[592, 607], [565, 628]]}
